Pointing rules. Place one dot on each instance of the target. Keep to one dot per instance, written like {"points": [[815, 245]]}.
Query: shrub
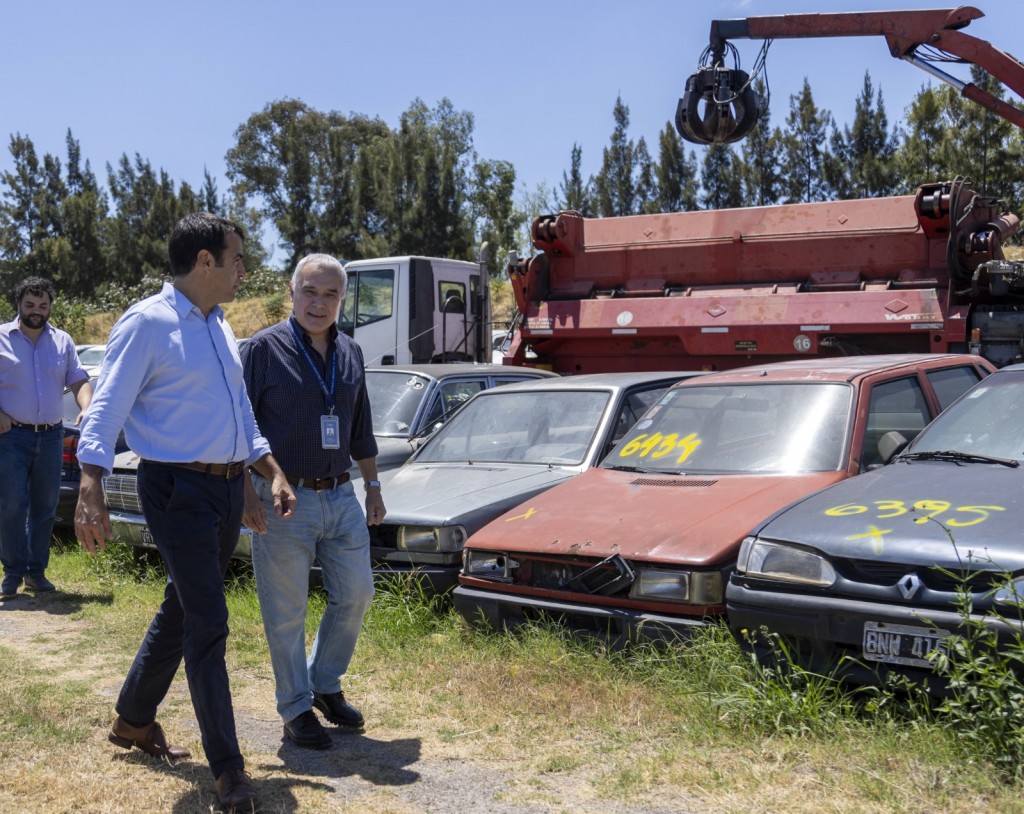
{"points": [[275, 307], [263, 282]]}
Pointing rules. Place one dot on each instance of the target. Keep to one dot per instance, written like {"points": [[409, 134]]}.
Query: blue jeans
{"points": [[29, 490], [330, 527], [194, 519]]}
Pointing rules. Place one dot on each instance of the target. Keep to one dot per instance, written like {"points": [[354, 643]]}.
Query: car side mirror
{"points": [[890, 445]]}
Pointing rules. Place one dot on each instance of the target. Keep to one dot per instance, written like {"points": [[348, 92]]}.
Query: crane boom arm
{"points": [[904, 31]]}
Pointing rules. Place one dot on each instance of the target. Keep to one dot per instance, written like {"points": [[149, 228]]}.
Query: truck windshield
{"points": [[368, 298], [798, 427]]}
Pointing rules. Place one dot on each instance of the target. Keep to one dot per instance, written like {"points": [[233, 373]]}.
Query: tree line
{"points": [[354, 187]]}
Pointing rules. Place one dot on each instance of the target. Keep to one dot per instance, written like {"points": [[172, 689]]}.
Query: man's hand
{"points": [[5, 422], [284, 497], [375, 510], [253, 515], [92, 520]]}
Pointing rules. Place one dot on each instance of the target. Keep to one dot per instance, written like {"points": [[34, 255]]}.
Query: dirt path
{"points": [[383, 770]]}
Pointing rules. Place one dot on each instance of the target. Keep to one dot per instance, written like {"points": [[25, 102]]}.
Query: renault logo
{"points": [[908, 585]]}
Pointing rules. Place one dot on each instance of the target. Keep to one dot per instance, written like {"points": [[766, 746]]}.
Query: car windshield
{"points": [[541, 427], [395, 397], [988, 421], [92, 356], [797, 427]]}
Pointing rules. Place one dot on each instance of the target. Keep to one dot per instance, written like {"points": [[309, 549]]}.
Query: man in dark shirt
{"points": [[308, 392]]}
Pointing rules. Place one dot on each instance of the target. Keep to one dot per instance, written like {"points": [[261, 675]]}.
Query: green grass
{"points": [[698, 717]]}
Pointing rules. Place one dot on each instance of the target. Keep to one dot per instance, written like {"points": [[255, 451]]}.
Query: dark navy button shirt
{"points": [[288, 401]]}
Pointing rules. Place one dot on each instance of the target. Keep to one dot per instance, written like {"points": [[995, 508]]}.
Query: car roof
{"points": [[834, 369], [443, 370], [595, 381]]}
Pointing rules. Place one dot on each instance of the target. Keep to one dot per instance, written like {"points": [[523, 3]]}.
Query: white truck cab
{"points": [[409, 310]]}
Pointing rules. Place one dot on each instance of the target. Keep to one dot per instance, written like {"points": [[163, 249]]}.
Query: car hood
{"points": [[697, 520], [463, 493], [393, 451], [930, 512]]}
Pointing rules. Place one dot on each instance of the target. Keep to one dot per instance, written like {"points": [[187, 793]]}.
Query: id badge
{"points": [[329, 429]]}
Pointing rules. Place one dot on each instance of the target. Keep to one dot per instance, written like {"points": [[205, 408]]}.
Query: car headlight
{"points": [[768, 560], [688, 587], [488, 565], [426, 538]]}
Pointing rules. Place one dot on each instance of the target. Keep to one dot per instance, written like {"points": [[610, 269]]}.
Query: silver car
{"points": [[504, 446]]}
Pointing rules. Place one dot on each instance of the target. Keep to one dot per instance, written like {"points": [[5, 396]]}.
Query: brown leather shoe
{"points": [[234, 791], [150, 739]]}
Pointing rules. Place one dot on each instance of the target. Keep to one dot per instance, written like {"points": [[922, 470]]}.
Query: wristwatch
{"points": [[371, 484]]}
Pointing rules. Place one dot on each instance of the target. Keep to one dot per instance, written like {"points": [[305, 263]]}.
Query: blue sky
{"points": [[174, 81]]}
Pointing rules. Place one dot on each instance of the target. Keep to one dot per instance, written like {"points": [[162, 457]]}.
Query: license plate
{"points": [[902, 644], [147, 538]]}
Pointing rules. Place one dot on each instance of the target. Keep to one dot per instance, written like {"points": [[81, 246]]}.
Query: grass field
{"points": [[460, 721]]}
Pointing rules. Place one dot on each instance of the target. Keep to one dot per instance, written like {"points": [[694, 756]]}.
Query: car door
{"points": [[903, 405]]}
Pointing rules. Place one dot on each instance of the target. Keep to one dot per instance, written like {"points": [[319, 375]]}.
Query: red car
{"points": [[643, 544]]}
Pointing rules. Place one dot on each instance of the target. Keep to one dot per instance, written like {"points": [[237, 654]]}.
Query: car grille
{"points": [[556, 573], [122, 493], [887, 574]]}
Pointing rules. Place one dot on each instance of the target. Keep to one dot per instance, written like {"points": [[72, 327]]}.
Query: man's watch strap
{"points": [[370, 484]]}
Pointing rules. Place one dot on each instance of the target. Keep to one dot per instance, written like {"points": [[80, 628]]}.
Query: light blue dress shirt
{"points": [[33, 376], [173, 380]]}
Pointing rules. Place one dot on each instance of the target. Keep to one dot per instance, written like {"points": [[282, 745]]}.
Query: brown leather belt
{"points": [[220, 470], [318, 484], [35, 427]]}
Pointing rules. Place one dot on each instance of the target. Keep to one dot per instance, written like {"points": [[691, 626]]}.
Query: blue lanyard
{"points": [[328, 391]]}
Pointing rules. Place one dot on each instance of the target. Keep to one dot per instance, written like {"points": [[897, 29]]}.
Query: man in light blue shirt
{"points": [[37, 361], [172, 378]]}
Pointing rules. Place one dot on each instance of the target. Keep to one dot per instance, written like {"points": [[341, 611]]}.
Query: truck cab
{"points": [[416, 310]]}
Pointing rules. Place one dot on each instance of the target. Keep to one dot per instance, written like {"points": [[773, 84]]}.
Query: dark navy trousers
{"points": [[194, 519]]}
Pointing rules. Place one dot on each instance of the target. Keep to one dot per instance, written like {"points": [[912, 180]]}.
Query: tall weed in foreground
{"points": [[120, 563], [784, 698], [985, 705], [404, 609]]}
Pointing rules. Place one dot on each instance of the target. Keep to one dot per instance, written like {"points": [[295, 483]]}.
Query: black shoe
{"points": [[338, 711], [9, 587], [305, 730], [39, 583]]}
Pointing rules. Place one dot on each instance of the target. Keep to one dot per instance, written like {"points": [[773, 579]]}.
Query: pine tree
{"points": [[759, 163], [980, 144], [615, 184], [497, 222], [721, 178], [576, 194], [646, 180], [921, 157], [676, 173], [804, 156], [862, 160]]}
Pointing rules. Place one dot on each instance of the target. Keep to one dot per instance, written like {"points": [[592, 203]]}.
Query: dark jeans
{"points": [[194, 519], [29, 490]]}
